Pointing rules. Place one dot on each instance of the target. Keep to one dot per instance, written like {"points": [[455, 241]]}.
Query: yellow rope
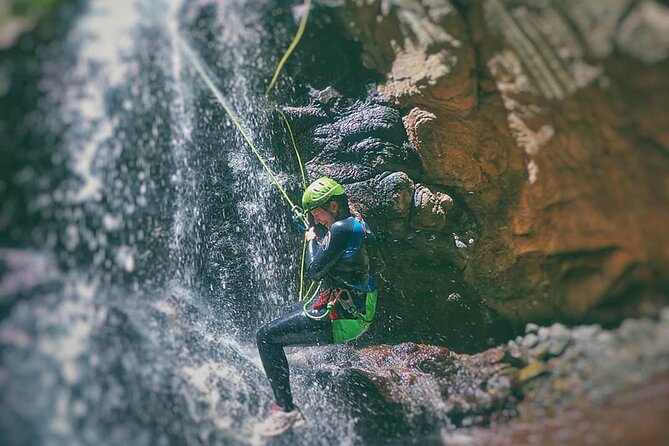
{"points": [[304, 183], [297, 152], [293, 44], [298, 35], [219, 96], [309, 290]]}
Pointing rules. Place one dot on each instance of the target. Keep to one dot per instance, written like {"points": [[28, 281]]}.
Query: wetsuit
{"points": [[341, 259]]}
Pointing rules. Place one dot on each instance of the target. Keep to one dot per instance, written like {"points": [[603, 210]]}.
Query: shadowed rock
{"points": [[544, 121], [424, 233], [552, 369]]}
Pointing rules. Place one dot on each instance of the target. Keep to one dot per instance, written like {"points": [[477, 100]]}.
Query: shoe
{"points": [[279, 421]]}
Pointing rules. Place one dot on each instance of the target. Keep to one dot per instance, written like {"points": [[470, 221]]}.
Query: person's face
{"points": [[322, 217]]}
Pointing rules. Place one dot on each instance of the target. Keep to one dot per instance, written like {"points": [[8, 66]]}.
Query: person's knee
{"points": [[263, 336]]}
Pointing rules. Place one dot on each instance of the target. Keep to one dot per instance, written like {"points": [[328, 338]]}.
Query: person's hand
{"points": [[310, 234]]}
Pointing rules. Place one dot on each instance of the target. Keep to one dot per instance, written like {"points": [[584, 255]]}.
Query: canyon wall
{"points": [[544, 124]]}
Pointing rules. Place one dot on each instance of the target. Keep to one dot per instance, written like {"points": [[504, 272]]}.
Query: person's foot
{"points": [[279, 421]]}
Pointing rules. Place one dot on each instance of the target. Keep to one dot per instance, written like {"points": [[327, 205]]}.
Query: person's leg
{"points": [[293, 328]]}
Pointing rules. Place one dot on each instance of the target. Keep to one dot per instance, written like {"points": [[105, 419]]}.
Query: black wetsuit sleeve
{"points": [[323, 254]]}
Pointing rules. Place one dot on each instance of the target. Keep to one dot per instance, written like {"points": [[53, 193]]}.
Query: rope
{"points": [[297, 152], [302, 295], [293, 44], [331, 303], [219, 96], [311, 287], [286, 55]]}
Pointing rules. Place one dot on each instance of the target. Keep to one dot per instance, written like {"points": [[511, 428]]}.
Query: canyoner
{"points": [[339, 256]]}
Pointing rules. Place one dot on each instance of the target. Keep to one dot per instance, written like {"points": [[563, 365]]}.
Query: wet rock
{"points": [[350, 140], [530, 340], [515, 355], [430, 383], [491, 92], [557, 346], [584, 365], [633, 417], [363, 144], [360, 143], [531, 328], [560, 339], [430, 208], [395, 191]]}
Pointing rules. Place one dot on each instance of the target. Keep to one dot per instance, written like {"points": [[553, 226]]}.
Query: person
{"points": [[343, 259]]}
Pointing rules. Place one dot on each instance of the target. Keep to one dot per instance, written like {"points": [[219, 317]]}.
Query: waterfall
{"points": [[166, 245]]}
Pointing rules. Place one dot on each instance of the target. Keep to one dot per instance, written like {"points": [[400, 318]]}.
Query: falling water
{"points": [[142, 245], [167, 246]]}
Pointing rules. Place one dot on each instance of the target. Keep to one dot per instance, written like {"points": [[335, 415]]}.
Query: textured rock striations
{"points": [[538, 145]]}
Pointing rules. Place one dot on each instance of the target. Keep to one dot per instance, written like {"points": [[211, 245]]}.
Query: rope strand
{"points": [[219, 97], [293, 44]]}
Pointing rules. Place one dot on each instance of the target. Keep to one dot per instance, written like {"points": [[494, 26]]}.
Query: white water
{"points": [[137, 343]]}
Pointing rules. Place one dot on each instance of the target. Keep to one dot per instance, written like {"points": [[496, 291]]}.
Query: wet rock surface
{"points": [[635, 417], [423, 230], [541, 121], [350, 139], [547, 372]]}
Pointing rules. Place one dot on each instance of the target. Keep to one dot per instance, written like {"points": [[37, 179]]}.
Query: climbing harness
{"points": [[342, 329], [328, 299]]}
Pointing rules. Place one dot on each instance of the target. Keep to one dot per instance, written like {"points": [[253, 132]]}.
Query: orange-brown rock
{"points": [[549, 120]]}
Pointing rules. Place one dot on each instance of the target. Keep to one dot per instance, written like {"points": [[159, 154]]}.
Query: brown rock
{"points": [[557, 143]]}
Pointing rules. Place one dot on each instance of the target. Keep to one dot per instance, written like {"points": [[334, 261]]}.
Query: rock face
{"points": [[538, 145], [550, 370]]}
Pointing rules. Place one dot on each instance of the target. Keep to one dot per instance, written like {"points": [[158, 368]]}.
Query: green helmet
{"points": [[320, 192]]}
